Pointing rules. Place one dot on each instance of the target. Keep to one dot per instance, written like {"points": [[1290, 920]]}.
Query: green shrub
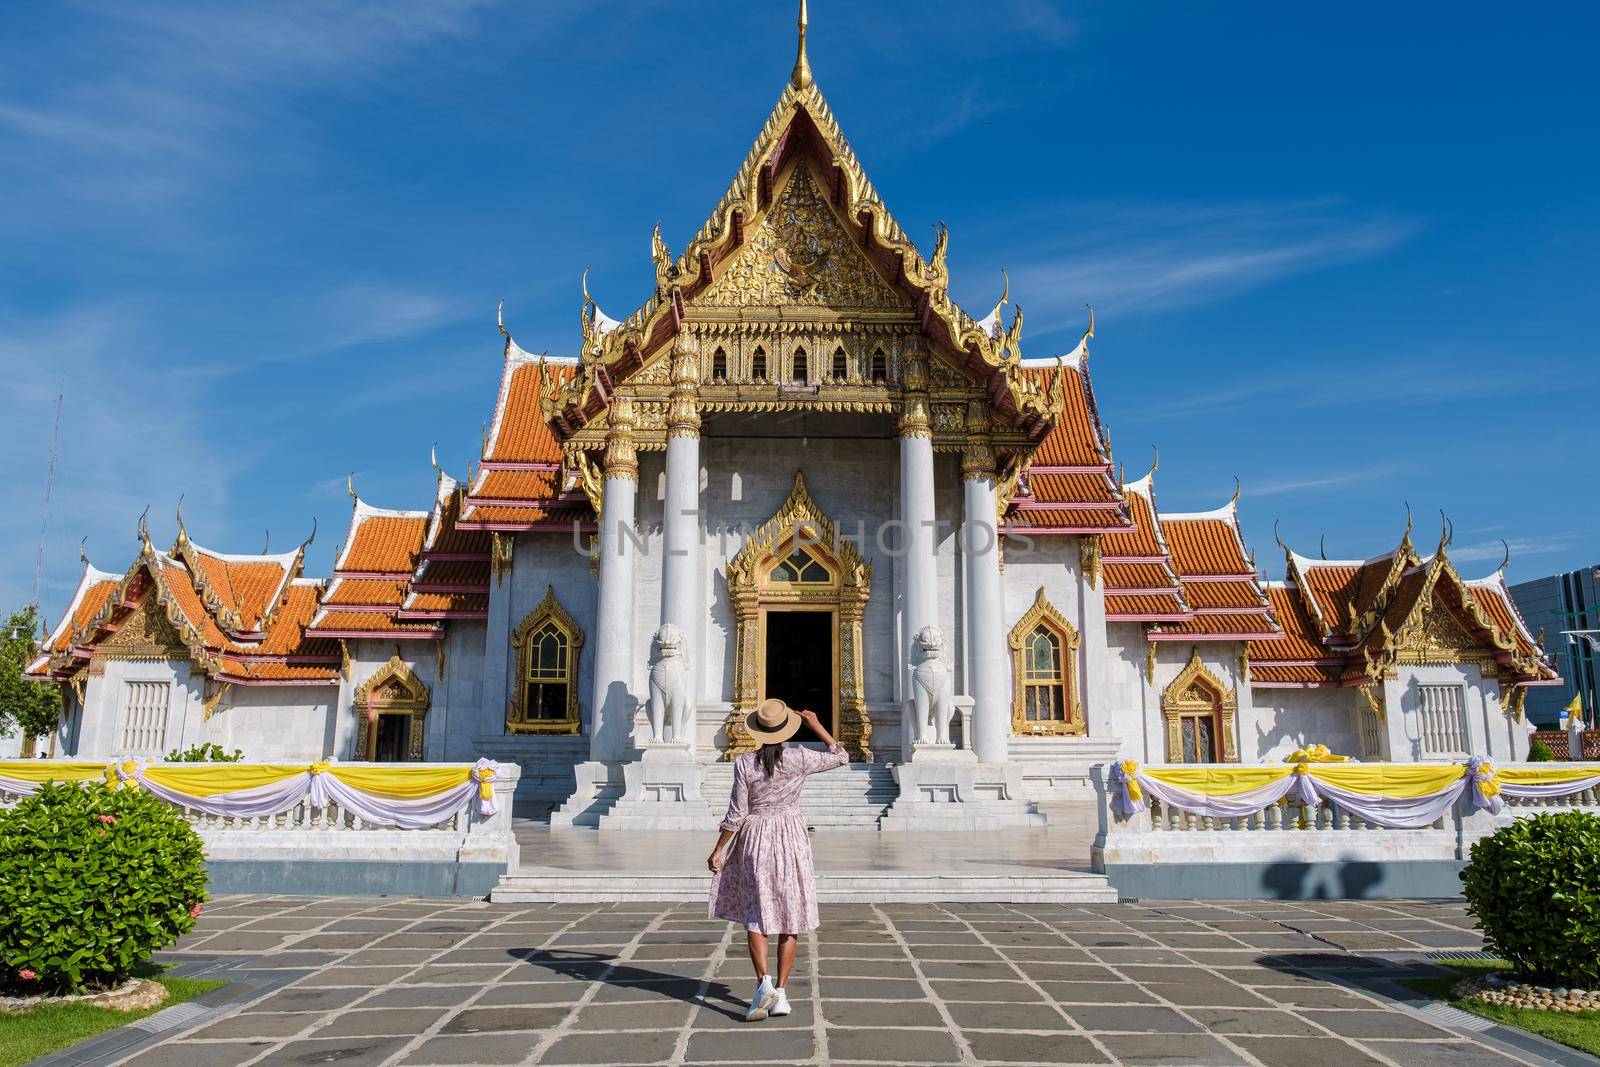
{"points": [[207, 753], [1539, 752], [1534, 888], [91, 883]]}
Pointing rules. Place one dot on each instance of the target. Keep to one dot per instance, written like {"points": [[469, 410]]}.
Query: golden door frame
{"points": [[1193, 691], [393, 690], [549, 611], [754, 593]]}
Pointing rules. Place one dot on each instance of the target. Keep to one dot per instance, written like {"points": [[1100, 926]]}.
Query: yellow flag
{"points": [[1576, 707]]}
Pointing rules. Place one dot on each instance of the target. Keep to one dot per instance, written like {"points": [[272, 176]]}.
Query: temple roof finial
{"points": [[801, 78]]}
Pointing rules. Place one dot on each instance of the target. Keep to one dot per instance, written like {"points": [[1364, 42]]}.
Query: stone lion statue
{"points": [[930, 688], [669, 688]]}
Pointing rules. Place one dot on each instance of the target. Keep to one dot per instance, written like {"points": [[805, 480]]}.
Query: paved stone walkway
{"points": [[451, 982]]}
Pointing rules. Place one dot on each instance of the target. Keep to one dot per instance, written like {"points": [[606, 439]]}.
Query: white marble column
{"points": [[986, 635], [680, 588], [920, 603], [612, 702]]}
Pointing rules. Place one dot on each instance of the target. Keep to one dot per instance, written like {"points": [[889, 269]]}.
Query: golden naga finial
{"points": [[662, 259], [83, 551], [1323, 546], [1238, 488], [1506, 559], [266, 545], [144, 530], [312, 536], [1155, 460], [1005, 295], [1287, 551], [939, 265], [350, 485], [801, 78]]}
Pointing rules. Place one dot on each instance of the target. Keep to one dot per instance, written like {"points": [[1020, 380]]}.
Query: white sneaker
{"points": [[762, 1001], [782, 1006]]}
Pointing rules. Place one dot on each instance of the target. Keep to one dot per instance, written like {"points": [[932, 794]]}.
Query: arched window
{"points": [[1043, 681], [758, 365], [1199, 711], [719, 366], [802, 369], [1044, 657], [547, 645], [841, 364], [880, 366]]}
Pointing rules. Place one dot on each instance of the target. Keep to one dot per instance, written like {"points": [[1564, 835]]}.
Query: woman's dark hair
{"points": [[769, 756]]}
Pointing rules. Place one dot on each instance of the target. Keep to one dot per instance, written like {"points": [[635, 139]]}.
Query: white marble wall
{"points": [[104, 714], [1288, 719], [274, 724]]}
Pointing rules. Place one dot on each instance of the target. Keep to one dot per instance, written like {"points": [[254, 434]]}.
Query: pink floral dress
{"points": [[767, 881]]}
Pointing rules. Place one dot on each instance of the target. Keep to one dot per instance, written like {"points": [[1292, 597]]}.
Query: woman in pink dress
{"points": [[765, 879]]}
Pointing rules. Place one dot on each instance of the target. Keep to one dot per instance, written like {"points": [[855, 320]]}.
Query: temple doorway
{"points": [[393, 737], [800, 666]]}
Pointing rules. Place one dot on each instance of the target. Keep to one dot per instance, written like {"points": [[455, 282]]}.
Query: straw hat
{"points": [[773, 721]]}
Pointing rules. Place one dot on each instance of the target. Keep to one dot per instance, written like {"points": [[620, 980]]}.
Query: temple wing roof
{"points": [[376, 563], [1141, 579], [451, 579], [1219, 579]]}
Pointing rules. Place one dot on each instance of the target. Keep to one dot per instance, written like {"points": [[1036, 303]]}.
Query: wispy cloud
{"points": [[1518, 546], [1296, 485], [1123, 257]]}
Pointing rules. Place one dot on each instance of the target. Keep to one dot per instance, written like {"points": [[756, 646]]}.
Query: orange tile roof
{"points": [[531, 485], [1205, 546], [1093, 519], [1225, 627], [518, 433], [365, 592], [455, 573], [1076, 439], [1141, 541], [1233, 594], [338, 622], [246, 671], [245, 587], [445, 537], [1294, 675], [1299, 640], [1122, 606], [1330, 587], [451, 602], [555, 518], [383, 543], [94, 589], [1056, 488], [1137, 576]]}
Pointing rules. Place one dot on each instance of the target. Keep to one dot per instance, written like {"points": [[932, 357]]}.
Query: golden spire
{"points": [[802, 66]]}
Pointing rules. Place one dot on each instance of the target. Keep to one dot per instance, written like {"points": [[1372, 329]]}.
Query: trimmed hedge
{"points": [[92, 882], [1534, 887], [1539, 752]]}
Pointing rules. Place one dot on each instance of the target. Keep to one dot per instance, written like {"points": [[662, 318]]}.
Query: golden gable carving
{"points": [[801, 255], [146, 634]]}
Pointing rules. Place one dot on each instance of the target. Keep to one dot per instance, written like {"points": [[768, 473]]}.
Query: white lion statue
{"points": [[930, 688], [669, 688]]}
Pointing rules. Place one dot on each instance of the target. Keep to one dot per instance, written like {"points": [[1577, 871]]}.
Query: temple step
{"points": [[863, 887], [853, 797]]}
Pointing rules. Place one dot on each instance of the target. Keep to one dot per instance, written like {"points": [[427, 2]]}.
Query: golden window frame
{"points": [[1186, 697], [552, 613], [377, 696], [1044, 613]]}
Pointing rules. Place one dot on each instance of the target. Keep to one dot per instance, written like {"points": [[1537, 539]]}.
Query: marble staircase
{"points": [[852, 797]]}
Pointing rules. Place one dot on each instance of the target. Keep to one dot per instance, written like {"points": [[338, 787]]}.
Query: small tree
{"points": [[33, 706]]}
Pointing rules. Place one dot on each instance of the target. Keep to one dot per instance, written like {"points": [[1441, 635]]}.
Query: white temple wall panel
{"points": [[273, 724], [1289, 719], [1135, 703]]}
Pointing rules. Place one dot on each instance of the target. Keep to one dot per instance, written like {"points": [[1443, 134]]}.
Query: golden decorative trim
{"points": [[344, 659], [1089, 558], [1044, 613], [1373, 702], [754, 592], [393, 689], [1244, 665], [1197, 692], [439, 660], [502, 555], [1150, 662], [208, 704], [683, 414], [549, 611], [622, 457], [1514, 706]]}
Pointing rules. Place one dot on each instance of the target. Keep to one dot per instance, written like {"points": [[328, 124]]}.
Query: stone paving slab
{"points": [[469, 983]]}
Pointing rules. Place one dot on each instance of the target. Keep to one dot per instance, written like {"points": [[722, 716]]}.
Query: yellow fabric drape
{"points": [[33, 770], [1398, 780], [401, 783], [1217, 781], [210, 779], [1535, 776]]}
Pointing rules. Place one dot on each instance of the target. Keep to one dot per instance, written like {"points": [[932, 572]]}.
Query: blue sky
{"points": [[1346, 253]]}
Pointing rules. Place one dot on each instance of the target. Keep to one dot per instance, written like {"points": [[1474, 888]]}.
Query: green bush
{"points": [[1534, 888], [1539, 752], [208, 753], [92, 882]]}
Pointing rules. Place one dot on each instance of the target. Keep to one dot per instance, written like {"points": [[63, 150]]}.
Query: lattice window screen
{"points": [[144, 719], [1444, 731]]}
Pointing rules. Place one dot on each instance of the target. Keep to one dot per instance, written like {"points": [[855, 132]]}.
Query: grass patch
{"points": [[1580, 1030], [28, 1035]]}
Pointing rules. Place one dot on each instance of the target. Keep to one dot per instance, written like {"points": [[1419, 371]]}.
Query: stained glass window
{"points": [[1043, 680]]}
